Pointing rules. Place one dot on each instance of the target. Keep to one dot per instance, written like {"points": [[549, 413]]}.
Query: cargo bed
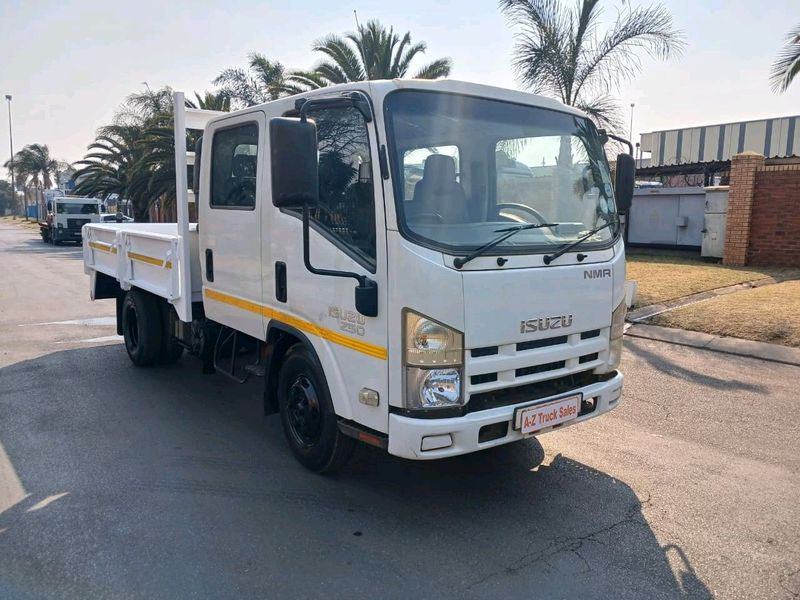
{"points": [[147, 256]]}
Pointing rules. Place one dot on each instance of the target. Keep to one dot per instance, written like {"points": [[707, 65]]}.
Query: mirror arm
{"points": [[362, 279], [622, 141]]}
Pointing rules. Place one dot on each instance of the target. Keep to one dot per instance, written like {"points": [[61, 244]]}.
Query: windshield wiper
{"points": [[548, 258], [507, 233]]}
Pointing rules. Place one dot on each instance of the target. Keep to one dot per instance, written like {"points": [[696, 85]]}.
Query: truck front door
{"points": [[347, 233]]}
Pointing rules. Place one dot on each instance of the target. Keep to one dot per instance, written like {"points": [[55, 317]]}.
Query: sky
{"points": [[69, 64]]}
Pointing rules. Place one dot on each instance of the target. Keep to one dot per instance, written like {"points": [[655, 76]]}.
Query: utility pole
{"points": [[11, 141]]}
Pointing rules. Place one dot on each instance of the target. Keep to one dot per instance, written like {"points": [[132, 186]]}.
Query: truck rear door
{"points": [[229, 209]]}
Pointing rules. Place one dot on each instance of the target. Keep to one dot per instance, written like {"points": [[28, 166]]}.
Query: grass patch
{"points": [[663, 278], [31, 224], [765, 314]]}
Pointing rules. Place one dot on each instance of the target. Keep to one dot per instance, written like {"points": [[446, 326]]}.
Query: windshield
{"points": [[466, 167], [77, 209]]}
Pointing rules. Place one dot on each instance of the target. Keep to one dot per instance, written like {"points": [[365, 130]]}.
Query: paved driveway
{"points": [[119, 482]]}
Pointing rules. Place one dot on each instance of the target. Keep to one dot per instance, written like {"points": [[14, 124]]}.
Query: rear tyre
{"points": [[141, 327], [309, 421]]}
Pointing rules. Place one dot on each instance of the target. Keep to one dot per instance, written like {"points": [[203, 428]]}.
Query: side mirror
{"points": [[198, 153], [49, 206], [294, 164], [625, 180]]}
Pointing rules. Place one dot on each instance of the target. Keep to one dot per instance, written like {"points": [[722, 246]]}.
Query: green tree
{"points": [[563, 51], [6, 197], [372, 52], [35, 171], [210, 101], [263, 80], [787, 65], [134, 158]]}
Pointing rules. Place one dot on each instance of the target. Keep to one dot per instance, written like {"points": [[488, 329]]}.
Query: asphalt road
{"points": [[118, 482]]}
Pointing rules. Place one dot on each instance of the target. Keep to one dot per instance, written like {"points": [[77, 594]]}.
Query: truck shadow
{"points": [[166, 483]]}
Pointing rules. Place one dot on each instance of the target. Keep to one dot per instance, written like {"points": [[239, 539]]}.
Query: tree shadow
{"points": [[662, 363], [73, 250], [166, 483]]}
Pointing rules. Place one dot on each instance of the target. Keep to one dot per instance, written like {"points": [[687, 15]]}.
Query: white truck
{"points": [[65, 217], [478, 305]]}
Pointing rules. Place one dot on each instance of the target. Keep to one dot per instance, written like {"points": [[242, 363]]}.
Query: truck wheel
{"points": [[309, 421], [141, 327]]}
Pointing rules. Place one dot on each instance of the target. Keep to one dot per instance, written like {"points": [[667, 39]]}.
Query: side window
{"points": [[346, 207], [234, 166], [414, 165]]}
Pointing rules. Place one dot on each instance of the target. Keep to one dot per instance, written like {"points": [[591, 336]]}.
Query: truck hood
{"points": [[504, 307]]}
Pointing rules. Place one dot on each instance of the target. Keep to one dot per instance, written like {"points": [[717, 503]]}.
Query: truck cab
{"points": [[434, 268], [66, 215]]}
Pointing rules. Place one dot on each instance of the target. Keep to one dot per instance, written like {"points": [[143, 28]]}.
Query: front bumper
{"points": [[406, 434]]}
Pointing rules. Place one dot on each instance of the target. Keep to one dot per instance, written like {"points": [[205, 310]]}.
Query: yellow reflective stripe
{"points": [[307, 326], [149, 260], [103, 247]]}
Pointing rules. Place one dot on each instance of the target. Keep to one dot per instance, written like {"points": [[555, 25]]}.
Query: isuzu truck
{"points": [[430, 267]]}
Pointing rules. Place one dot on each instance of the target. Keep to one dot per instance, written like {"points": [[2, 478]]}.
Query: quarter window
{"points": [[234, 167]]}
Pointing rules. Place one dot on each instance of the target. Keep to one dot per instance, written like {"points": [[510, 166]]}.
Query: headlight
{"points": [[432, 388], [615, 338], [61, 226], [434, 356], [429, 343]]}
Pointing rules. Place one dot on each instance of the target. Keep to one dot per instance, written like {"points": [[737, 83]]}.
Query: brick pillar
{"points": [[740, 205]]}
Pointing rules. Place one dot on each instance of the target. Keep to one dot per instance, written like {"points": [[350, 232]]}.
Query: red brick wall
{"points": [[775, 217]]}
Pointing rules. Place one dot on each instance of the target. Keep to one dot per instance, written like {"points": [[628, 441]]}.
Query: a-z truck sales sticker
{"points": [[533, 418]]}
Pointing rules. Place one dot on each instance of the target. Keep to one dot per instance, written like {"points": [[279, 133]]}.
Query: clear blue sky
{"points": [[70, 63]]}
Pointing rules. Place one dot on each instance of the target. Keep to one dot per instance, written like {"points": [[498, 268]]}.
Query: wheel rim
{"points": [[133, 329], [303, 412]]}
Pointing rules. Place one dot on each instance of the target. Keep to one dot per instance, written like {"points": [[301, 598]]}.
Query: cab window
{"points": [[234, 167], [346, 209]]}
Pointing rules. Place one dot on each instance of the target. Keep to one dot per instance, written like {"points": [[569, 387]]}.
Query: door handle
{"points": [[280, 281], [209, 264]]}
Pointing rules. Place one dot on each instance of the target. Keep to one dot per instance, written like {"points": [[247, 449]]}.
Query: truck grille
{"points": [[496, 367], [76, 223]]}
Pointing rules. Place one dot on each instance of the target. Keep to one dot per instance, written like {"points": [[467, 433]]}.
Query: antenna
{"points": [[355, 14]]}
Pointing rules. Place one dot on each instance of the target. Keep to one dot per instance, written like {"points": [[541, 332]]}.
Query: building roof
{"points": [[774, 138]]}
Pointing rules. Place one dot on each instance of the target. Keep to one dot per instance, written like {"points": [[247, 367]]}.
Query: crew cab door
{"points": [[347, 233], [229, 209]]}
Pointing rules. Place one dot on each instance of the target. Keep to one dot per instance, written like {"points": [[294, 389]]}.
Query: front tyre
{"points": [[309, 421], [141, 327]]}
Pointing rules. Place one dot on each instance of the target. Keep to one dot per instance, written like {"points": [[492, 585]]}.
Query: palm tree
{"points": [[561, 51], [787, 65], [262, 81], [107, 168], [373, 52], [210, 101], [35, 168]]}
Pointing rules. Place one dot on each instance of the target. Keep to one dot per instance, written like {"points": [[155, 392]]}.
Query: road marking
{"points": [[97, 340], [42, 503], [91, 322]]}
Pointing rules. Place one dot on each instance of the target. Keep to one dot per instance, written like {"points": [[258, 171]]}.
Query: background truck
{"points": [[65, 216], [459, 310]]}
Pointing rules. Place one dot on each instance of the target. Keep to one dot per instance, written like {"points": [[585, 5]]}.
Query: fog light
{"points": [[436, 442]]}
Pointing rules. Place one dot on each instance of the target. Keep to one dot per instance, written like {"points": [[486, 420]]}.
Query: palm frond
{"points": [[787, 64], [436, 69]]}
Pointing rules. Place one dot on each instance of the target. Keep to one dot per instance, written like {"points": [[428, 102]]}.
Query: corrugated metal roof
{"points": [[778, 137]]}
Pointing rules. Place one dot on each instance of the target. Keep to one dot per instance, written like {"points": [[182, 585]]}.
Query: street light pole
{"points": [[630, 133], [11, 141]]}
